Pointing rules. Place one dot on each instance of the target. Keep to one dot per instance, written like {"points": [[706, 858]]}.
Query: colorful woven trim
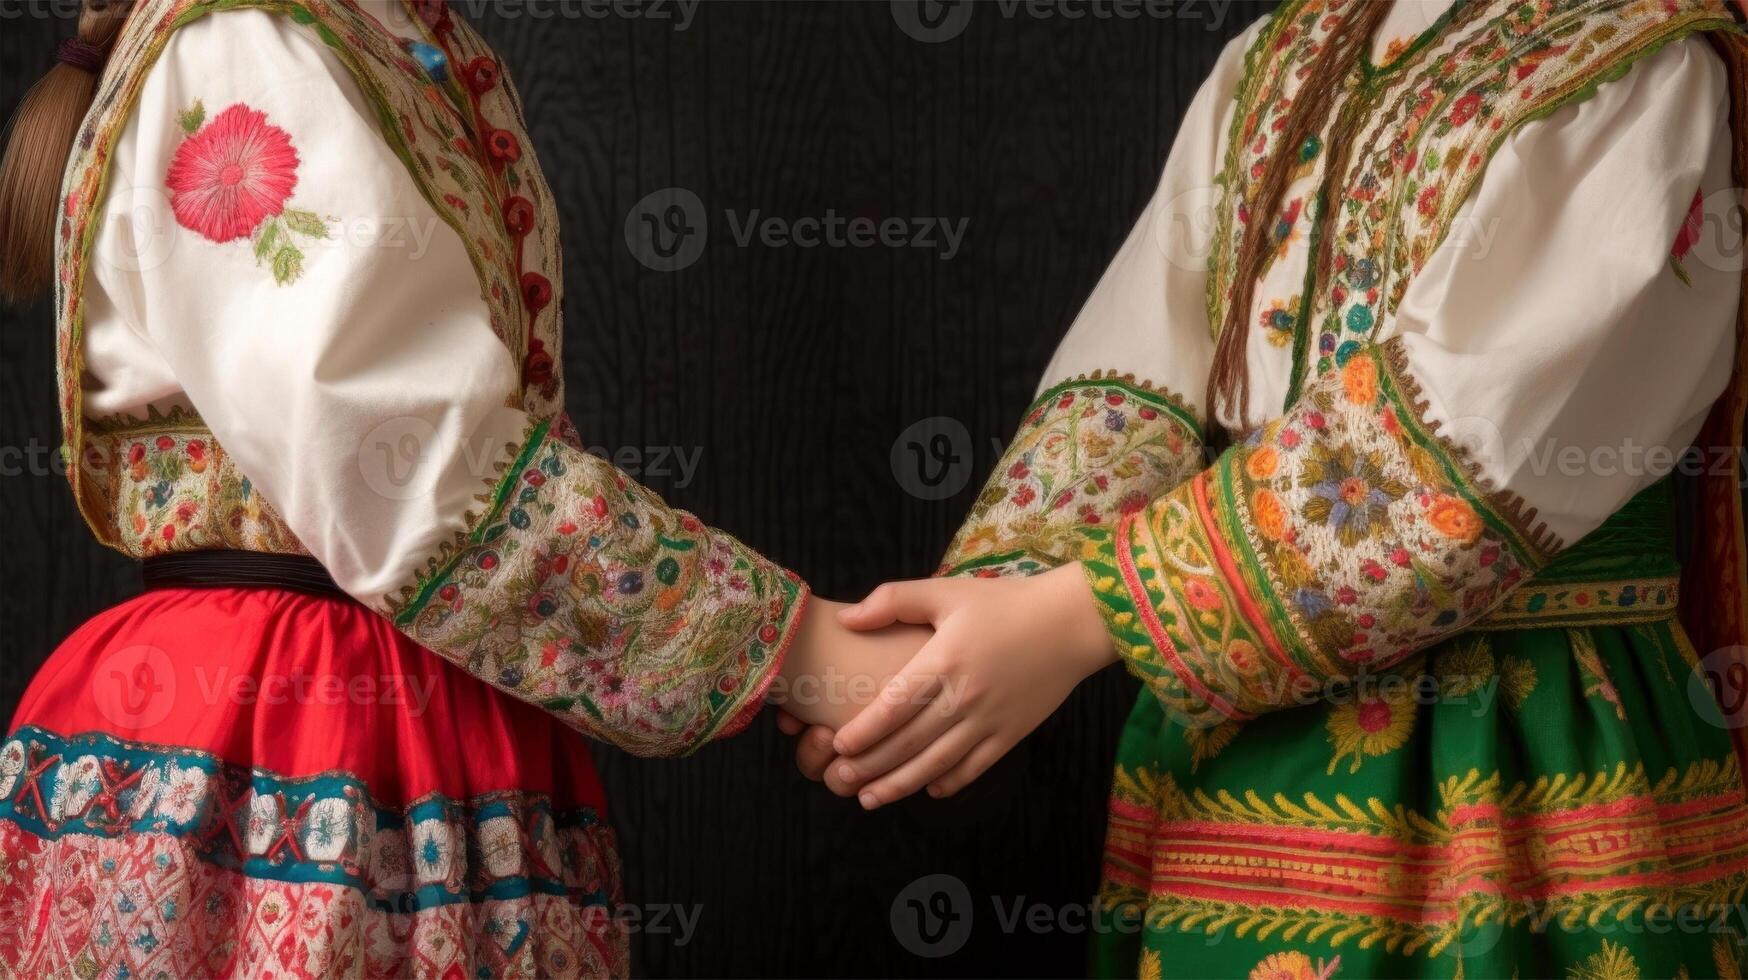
{"points": [[1339, 538], [1336, 870], [1568, 605], [323, 828]]}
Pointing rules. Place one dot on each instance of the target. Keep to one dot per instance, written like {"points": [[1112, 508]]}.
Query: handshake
{"points": [[927, 683]]}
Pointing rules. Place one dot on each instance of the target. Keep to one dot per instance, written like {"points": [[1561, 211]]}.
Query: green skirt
{"points": [[1560, 801]]}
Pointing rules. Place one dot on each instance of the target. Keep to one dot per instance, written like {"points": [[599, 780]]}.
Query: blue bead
{"points": [[430, 58]]}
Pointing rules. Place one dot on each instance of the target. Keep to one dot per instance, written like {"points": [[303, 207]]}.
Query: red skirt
{"points": [[213, 781]]}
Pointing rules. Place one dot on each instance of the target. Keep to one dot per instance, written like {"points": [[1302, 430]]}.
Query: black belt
{"points": [[244, 569]]}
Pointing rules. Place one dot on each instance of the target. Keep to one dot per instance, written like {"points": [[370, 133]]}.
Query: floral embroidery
{"points": [[176, 489], [1612, 962], [580, 591], [1206, 743], [231, 178], [1087, 452], [1416, 139], [1688, 236], [1280, 321], [377, 890], [1151, 967], [1338, 538], [519, 279], [1371, 722], [1597, 682], [1294, 965], [1425, 139], [1413, 882]]}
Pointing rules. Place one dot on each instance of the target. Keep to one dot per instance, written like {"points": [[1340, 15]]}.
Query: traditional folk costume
{"points": [[1410, 708], [309, 294]]}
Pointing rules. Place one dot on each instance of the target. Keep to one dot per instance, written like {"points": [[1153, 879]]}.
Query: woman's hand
{"points": [[1006, 652], [832, 671]]}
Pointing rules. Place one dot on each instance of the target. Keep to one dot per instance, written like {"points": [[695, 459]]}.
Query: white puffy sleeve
{"points": [[1118, 417], [1550, 361], [267, 259]]}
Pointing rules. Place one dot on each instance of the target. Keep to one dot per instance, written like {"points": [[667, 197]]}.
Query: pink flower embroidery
{"points": [[232, 174], [1688, 236], [231, 179]]}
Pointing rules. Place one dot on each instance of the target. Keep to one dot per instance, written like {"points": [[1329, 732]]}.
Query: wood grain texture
{"points": [[792, 371]]}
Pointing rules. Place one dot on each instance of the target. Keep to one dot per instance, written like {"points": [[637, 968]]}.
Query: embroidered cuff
{"points": [[582, 592], [1341, 537], [1088, 451]]}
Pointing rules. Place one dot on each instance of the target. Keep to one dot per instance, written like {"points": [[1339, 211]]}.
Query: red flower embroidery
{"points": [[232, 174], [1465, 108], [1688, 236]]}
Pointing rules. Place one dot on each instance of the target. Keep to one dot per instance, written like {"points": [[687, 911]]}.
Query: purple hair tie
{"points": [[81, 54]]}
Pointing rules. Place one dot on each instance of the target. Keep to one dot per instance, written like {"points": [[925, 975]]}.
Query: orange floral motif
{"points": [[1455, 518], [1294, 965], [1269, 513], [1262, 463], [1360, 379], [1202, 594]]}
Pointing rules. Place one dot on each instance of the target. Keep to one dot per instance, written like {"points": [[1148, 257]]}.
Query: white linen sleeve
{"points": [[1569, 309], [1577, 325], [265, 252]]}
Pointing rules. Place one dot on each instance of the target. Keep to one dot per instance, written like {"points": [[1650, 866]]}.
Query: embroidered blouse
{"points": [[276, 309], [1443, 413]]}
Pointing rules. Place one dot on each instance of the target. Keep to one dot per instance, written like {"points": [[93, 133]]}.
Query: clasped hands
{"points": [[926, 683]]}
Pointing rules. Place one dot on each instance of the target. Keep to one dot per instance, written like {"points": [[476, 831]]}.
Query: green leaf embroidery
{"points": [[265, 238], [192, 117], [305, 223], [287, 264]]}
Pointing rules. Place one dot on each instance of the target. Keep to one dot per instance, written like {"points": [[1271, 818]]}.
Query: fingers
{"points": [[927, 765], [976, 762], [847, 775], [904, 695], [788, 724], [915, 601], [813, 753]]}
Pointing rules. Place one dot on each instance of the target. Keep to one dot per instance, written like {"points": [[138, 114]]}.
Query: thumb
{"points": [[915, 601]]}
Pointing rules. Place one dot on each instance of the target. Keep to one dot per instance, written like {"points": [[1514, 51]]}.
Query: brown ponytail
{"points": [[40, 140], [1229, 379]]}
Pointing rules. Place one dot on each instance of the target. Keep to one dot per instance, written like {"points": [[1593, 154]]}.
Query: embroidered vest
{"points": [[162, 483], [1405, 144]]}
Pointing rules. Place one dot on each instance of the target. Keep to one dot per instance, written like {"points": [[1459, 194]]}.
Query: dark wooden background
{"points": [[794, 371]]}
